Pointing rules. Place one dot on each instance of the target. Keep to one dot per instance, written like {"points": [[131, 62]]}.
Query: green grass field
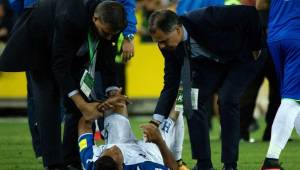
{"points": [[16, 150]]}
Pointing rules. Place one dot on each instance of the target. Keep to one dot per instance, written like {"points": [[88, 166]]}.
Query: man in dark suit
{"points": [[220, 45], [44, 43]]}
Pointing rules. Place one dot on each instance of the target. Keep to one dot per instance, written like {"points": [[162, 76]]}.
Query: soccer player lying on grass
{"points": [[122, 151]]}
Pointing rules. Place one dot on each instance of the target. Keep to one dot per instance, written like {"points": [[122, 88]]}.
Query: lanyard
{"points": [[92, 50]]}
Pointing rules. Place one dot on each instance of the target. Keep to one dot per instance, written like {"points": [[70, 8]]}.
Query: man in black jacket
{"points": [[44, 42], [220, 45]]}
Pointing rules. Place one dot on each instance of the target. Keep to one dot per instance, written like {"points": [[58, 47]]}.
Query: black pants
{"points": [[70, 138], [47, 112], [32, 120], [230, 81], [248, 99]]}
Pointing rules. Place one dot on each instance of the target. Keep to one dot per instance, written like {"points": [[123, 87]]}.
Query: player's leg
{"points": [[297, 124], [285, 55], [117, 129]]}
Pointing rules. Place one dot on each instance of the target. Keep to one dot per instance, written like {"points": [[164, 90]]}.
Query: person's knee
{"points": [[228, 102]]}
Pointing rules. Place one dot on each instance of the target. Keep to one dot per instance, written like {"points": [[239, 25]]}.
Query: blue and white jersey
{"points": [[284, 20], [137, 156]]}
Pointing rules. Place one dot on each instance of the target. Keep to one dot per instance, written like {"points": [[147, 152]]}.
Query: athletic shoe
{"points": [[182, 165], [271, 164]]}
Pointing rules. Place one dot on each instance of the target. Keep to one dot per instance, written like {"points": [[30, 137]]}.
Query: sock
{"points": [[282, 127], [297, 124], [176, 147]]}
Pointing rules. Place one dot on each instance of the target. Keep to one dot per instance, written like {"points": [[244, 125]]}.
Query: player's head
{"points": [[109, 19], [111, 159], [165, 29]]}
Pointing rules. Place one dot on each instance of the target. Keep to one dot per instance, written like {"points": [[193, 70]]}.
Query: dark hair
{"points": [[111, 13], [165, 20], [106, 163]]}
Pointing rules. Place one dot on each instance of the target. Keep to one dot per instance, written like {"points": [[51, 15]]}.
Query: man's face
{"points": [[104, 29], [115, 153], [168, 41]]}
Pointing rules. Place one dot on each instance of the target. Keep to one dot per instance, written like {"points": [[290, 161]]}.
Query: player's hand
{"points": [[113, 102], [90, 111], [151, 133], [127, 50]]}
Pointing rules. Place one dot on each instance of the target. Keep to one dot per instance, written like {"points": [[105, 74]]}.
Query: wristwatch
{"points": [[129, 37]]}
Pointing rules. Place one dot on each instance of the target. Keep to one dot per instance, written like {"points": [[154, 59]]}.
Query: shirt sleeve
{"points": [[64, 49], [131, 18], [169, 92], [85, 143]]}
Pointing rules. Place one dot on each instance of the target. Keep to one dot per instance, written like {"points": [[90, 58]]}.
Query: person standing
{"points": [[248, 99], [56, 30], [220, 46], [283, 42]]}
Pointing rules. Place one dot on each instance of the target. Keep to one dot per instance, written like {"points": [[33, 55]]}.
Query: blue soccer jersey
{"points": [[86, 142], [284, 20]]}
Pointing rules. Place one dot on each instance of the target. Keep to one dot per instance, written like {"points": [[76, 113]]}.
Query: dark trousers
{"points": [[230, 81], [32, 120], [248, 99], [47, 112], [70, 138]]}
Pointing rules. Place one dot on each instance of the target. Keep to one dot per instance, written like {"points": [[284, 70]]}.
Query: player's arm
{"points": [[85, 143], [152, 134], [84, 126]]}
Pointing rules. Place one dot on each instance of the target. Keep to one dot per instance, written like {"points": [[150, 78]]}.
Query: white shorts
{"points": [[117, 129]]}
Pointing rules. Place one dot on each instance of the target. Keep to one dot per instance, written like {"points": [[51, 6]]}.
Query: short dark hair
{"points": [[106, 162], [112, 13], [165, 20]]}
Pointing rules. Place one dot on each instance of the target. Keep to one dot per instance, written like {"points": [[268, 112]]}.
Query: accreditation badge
{"points": [[194, 95], [86, 83], [179, 100]]}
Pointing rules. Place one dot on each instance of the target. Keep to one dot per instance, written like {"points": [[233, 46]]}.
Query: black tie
{"points": [[186, 82]]}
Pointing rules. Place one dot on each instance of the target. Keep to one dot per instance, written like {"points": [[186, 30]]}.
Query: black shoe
{"points": [[196, 168], [47, 168], [55, 167], [73, 167], [271, 164], [228, 168]]}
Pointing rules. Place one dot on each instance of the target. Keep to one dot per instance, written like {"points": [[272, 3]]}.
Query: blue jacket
{"points": [[185, 6]]}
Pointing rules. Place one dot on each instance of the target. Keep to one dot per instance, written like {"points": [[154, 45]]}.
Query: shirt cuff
{"points": [[158, 117], [108, 89], [72, 93]]}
